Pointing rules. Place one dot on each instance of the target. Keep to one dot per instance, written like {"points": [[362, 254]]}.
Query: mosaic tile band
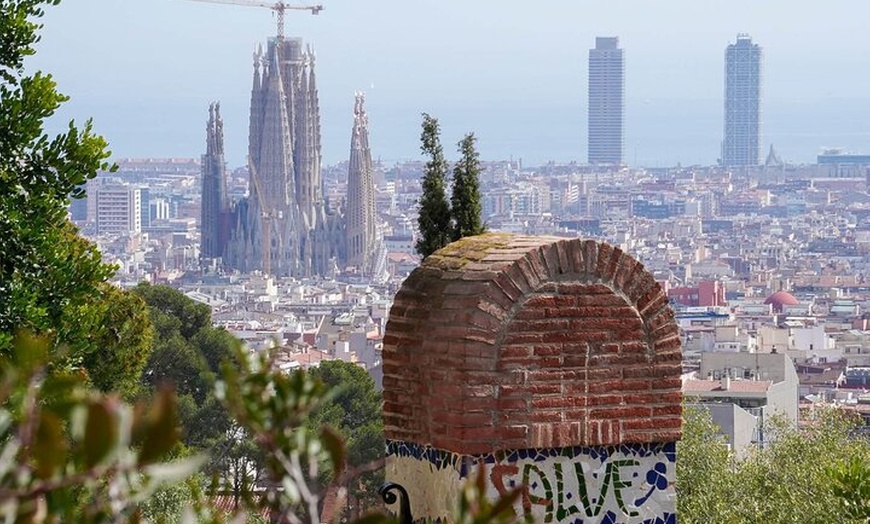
{"points": [[625, 484]]}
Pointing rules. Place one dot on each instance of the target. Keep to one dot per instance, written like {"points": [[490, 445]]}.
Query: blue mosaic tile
{"points": [[442, 459]]}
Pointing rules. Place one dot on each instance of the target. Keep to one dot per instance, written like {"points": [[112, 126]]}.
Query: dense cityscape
{"points": [[585, 327], [758, 256]]}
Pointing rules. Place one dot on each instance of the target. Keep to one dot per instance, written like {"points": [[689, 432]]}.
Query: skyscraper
{"points": [[214, 202], [606, 102], [360, 215], [742, 143]]}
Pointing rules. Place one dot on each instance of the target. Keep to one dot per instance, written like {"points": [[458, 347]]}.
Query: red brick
{"points": [[518, 338], [640, 285], [541, 435], [590, 254], [610, 348], [616, 325], [605, 251], [515, 351], [529, 274], [604, 386], [540, 415], [626, 271], [614, 362], [613, 266], [576, 256], [544, 389], [540, 301], [548, 349], [674, 409], [505, 404], [605, 400], [651, 423], [653, 300], [553, 402], [653, 372], [589, 336], [507, 285], [565, 265], [550, 257], [543, 325], [531, 313], [620, 412]]}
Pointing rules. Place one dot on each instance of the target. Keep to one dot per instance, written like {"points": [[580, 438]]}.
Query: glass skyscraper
{"points": [[742, 143], [606, 102]]}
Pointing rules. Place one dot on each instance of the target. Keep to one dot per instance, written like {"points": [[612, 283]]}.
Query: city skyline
{"points": [[520, 71]]}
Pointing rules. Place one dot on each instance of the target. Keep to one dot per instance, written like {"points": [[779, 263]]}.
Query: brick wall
{"points": [[552, 364], [507, 342]]}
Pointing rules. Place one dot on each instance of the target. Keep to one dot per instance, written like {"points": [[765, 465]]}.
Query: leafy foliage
{"points": [[354, 411], [48, 275], [850, 480], [434, 213], [465, 201], [788, 481], [69, 454], [273, 408], [122, 337], [187, 352], [53, 282]]}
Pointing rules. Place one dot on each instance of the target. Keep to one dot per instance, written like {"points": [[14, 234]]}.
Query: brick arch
{"points": [[511, 342]]}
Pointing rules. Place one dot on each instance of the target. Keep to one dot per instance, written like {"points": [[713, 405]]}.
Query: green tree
{"points": [[703, 467], [354, 409], [188, 353], [434, 212], [52, 281], [190, 315], [123, 337], [74, 455], [793, 479], [47, 274], [465, 199], [851, 483]]}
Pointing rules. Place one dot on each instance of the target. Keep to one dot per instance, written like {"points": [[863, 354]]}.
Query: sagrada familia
{"points": [[285, 227]]}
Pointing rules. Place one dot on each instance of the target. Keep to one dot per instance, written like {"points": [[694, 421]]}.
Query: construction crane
{"points": [[279, 7], [267, 216]]}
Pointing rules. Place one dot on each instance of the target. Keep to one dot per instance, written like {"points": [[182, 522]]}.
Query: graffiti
{"points": [[627, 484], [550, 491]]}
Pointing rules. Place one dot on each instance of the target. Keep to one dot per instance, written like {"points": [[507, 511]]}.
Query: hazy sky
{"points": [[514, 72]]}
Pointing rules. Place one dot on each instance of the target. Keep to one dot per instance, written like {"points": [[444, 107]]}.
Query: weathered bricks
{"points": [[500, 342]]}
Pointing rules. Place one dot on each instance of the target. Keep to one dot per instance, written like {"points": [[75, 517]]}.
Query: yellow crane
{"points": [[279, 7]]}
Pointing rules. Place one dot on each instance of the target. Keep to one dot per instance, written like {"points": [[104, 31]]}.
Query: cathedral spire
{"points": [[361, 229], [214, 205]]}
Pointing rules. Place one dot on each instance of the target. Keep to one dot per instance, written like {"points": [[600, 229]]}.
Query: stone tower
{"points": [[361, 230], [214, 188], [284, 212]]}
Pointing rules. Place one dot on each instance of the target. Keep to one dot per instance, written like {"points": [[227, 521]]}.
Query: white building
{"points": [[118, 209]]}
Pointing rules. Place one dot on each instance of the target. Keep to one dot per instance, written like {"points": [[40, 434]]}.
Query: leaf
{"points": [[101, 433], [376, 518], [161, 430], [31, 351], [334, 445], [49, 447], [176, 471]]}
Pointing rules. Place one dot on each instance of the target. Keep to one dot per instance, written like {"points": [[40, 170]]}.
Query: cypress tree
{"points": [[465, 200], [434, 214]]}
